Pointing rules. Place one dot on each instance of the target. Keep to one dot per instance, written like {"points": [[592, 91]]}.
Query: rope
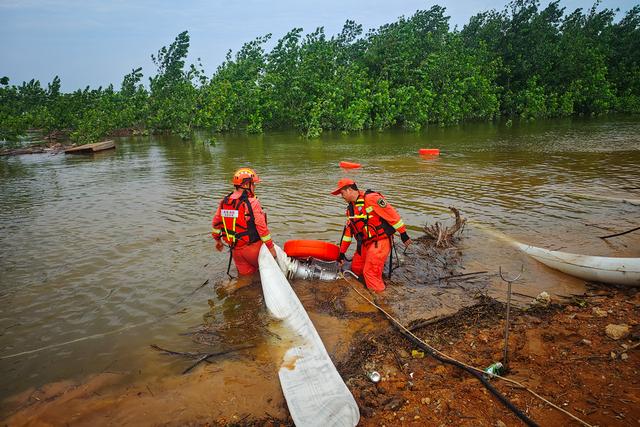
{"points": [[448, 359]]}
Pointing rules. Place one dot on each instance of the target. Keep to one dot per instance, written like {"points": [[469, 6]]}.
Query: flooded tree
{"points": [[525, 61]]}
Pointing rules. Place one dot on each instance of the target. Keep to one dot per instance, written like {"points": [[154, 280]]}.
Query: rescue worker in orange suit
{"points": [[372, 221], [241, 223]]}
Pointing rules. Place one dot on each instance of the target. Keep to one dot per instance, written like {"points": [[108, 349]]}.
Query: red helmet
{"points": [[245, 175]]}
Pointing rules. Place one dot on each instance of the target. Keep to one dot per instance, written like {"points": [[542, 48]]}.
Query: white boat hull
{"points": [[617, 271], [316, 394]]}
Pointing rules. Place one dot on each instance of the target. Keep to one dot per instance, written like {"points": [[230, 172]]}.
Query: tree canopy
{"points": [[523, 61]]}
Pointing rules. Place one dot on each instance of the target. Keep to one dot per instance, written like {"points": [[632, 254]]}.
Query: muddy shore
{"points": [[561, 352]]}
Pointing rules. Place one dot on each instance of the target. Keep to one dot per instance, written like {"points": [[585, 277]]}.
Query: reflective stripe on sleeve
{"points": [[398, 224], [347, 239], [358, 217], [216, 230], [265, 238]]}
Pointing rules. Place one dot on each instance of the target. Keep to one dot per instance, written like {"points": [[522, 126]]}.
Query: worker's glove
{"points": [[404, 236], [341, 258]]}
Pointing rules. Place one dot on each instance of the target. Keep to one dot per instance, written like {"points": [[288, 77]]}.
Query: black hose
{"points": [[503, 399]]}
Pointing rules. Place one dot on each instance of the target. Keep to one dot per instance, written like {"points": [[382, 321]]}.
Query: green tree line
{"points": [[524, 61]]}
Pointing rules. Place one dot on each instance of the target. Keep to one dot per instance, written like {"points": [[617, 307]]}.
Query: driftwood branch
{"points": [[456, 276], [201, 357], [620, 234], [444, 235], [197, 362], [205, 357], [175, 353]]}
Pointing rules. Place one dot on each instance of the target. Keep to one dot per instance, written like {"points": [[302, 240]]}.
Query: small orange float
{"points": [[312, 248], [349, 165], [429, 151]]}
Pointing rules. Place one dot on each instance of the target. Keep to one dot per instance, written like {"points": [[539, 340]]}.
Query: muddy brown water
{"points": [[100, 255]]}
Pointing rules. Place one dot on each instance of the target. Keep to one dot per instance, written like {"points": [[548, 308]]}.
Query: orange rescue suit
{"points": [[238, 224], [242, 224], [372, 221]]}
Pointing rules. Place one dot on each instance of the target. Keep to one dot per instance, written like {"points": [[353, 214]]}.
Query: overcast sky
{"points": [[93, 42]]}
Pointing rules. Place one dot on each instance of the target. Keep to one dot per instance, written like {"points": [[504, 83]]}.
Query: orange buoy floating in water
{"points": [[349, 165], [429, 151], [312, 248]]}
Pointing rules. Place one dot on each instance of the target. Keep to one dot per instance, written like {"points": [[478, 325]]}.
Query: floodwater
{"points": [[104, 255]]}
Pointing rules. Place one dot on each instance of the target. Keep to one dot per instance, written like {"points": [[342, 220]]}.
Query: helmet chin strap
{"points": [[248, 189]]}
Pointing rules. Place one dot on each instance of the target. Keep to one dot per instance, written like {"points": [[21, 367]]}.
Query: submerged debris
{"points": [[444, 236], [201, 357], [233, 319]]}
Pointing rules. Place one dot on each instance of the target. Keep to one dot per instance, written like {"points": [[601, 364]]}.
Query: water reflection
{"points": [[91, 245]]}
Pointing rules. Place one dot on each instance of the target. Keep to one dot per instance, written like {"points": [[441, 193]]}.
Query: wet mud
{"points": [[561, 352], [431, 281]]}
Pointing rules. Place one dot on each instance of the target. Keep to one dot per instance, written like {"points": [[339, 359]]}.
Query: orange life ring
{"points": [[349, 165], [429, 151], [312, 248]]}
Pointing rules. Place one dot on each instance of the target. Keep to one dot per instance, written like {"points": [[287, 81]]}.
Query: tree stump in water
{"points": [[444, 235]]}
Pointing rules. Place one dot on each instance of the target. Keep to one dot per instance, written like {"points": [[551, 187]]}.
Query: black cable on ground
{"points": [[503, 399]]}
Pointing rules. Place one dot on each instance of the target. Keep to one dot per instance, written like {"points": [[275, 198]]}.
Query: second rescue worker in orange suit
{"points": [[372, 221], [241, 223]]}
